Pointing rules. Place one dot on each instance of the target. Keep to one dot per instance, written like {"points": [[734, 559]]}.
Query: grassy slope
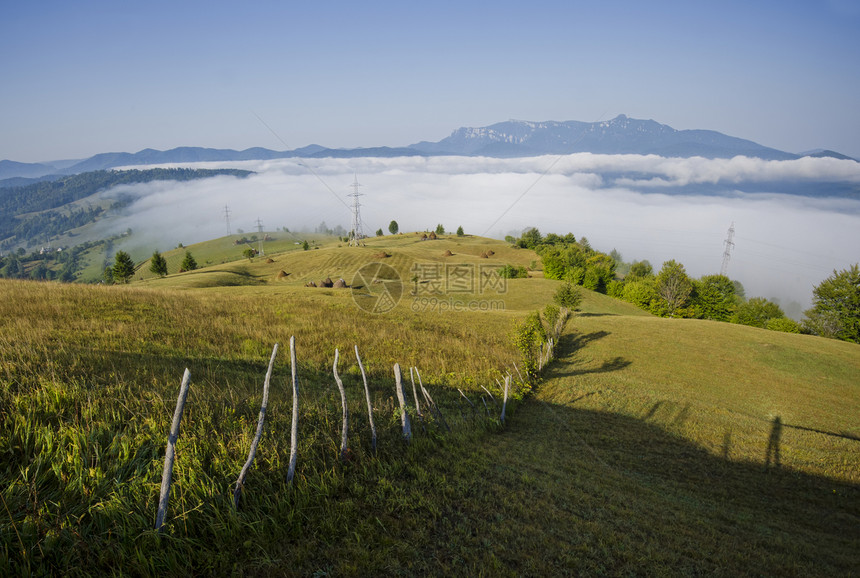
{"points": [[643, 451]]}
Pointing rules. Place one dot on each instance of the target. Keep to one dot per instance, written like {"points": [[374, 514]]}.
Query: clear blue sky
{"points": [[79, 78]]}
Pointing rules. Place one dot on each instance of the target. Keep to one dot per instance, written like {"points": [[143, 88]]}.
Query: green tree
{"points": [[673, 287], [379, 232], [12, 269], [836, 301], [568, 296], [158, 264], [640, 270], [440, 230], [460, 232], [757, 312], [530, 238], [123, 267], [249, 253], [393, 227], [188, 263], [714, 297], [305, 246]]}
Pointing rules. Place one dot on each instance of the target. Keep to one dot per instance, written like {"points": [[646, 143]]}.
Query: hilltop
{"points": [[649, 445]]}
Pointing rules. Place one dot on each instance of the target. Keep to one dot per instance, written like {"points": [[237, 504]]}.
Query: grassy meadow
{"points": [[651, 446]]}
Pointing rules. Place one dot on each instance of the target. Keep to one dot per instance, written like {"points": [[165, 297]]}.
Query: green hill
{"points": [[650, 446]]}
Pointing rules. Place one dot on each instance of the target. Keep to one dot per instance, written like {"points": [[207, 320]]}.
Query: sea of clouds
{"points": [[645, 206]]}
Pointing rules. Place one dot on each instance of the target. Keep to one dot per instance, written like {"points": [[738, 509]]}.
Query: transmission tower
{"points": [[727, 254], [357, 232], [260, 237], [227, 218]]}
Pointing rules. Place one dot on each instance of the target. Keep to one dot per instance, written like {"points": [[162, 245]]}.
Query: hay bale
{"points": [[340, 284], [281, 274], [327, 282], [432, 235], [490, 252], [270, 260], [382, 255], [447, 253], [484, 255], [310, 284]]}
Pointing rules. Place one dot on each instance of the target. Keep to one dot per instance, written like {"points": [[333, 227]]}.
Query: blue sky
{"points": [[87, 77]]}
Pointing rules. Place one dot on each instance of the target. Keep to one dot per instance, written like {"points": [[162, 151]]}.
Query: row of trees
{"points": [[671, 292], [123, 267]]}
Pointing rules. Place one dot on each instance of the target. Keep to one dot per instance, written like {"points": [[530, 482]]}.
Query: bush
{"points": [[513, 272], [568, 296], [783, 324]]}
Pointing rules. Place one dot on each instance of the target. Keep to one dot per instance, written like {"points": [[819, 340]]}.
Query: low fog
{"points": [[646, 207]]}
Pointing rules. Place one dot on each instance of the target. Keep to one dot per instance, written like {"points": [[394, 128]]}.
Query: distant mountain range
{"points": [[514, 138]]}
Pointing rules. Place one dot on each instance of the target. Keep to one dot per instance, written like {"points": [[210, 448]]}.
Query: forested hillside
{"points": [[34, 213]]}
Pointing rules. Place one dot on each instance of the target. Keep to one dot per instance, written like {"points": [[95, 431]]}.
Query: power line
{"points": [[227, 218], [260, 236], [356, 234], [727, 253]]}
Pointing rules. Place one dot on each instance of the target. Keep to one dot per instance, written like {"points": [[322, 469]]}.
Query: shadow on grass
{"points": [[569, 344], [602, 493]]}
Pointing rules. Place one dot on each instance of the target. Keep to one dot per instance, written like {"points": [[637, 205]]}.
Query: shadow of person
{"points": [[773, 444]]}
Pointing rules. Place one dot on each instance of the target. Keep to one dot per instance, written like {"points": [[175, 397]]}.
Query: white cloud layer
{"points": [[784, 244]]}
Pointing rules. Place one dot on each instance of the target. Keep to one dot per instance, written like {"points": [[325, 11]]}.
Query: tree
{"points": [[714, 297], [379, 232], [249, 253], [460, 232], [530, 238], [568, 296], [440, 230], [836, 305], [673, 286], [123, 267], [640, 270], [393, 227], [188, 263], [757, 312], [158, 264]]}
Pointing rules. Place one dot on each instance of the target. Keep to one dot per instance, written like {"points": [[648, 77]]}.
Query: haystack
{"points": [[282, 274], [382, 255], [310, 284], [447, 253], [327, 282], [432, 235], [270, 260], [340, 284]]}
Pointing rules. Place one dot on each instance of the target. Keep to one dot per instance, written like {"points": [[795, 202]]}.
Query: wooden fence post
{"points": [[253, 452], [294, 431], [170, 453], [401, 398], [369, 404], [505, 403], [345, 432], [415, 394]]}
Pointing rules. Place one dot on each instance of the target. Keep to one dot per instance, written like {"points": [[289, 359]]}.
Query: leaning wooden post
{"points": [[485, 405], [170, 454], [505, 402], [239, 482], [369, 404], [343, 403], [401, 398], [433, 406], [415, 394], [294, 432]]}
